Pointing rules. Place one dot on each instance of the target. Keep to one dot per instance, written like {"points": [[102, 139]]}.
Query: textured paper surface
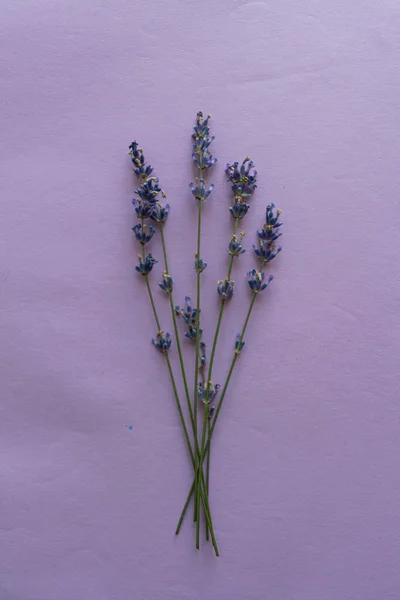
{"points": [[305, 477]]}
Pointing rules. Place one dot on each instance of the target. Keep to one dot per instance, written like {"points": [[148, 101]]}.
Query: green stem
{"points": [[200, 474], [203, 497], [164, 247], [215, 418], [235, 228], [196, 372], [208, 471], [153, 306], [178, 343]]}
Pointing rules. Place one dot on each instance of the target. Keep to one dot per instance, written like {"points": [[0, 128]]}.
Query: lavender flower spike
{"points": [[149, 190], [202, 157], [140, 168], [268, 236], [243, 178]]}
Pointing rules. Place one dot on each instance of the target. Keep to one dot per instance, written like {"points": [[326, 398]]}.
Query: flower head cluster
{"points": [[243, 178], [235, 245], [238, 344], [143, 234], [162, 341], [189, 315], [149, 190], [203, 355], [159, 213], [167, 283], [207, 392], [225, 288], [268, 235], [202, 157], [147, 205], [256, 281], [146, 264], [200, 191], [140, 168], [239, 209], [199, 264], [143, 210]]}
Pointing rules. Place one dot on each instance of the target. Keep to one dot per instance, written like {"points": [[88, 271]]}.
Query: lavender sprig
{"points": [[203, 160]]}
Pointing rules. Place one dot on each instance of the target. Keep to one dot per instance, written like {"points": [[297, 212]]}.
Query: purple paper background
{"points": [[305, 468]]}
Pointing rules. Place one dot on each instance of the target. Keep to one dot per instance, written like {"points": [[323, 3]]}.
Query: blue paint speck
{"points": [[130, 427]]}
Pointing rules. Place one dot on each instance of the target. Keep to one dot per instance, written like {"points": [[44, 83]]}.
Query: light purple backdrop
{"points": [[305, 473]]}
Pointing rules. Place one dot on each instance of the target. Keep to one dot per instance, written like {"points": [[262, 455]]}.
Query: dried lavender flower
{"points": [[200, 191], [225, 288], [199, 265], [239, 210], [142, 209], [189, 315], [256, 281], [162, 341], [238, 344], [159, 213], [146, 264], [266, 251], [243, 178], [143, 234], [167, 283], [149, 190], [235, 245], [207, 392], [140, 168]]}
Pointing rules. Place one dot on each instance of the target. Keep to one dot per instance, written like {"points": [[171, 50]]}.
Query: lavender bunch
{"points": [[152, 215]]}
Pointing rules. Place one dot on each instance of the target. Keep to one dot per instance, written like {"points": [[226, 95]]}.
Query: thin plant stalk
{"points": [[208, 470], [196, 371]]}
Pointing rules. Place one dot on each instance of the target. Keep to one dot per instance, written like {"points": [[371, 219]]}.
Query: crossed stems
{"points": [[203, 490], [215, 417]]}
